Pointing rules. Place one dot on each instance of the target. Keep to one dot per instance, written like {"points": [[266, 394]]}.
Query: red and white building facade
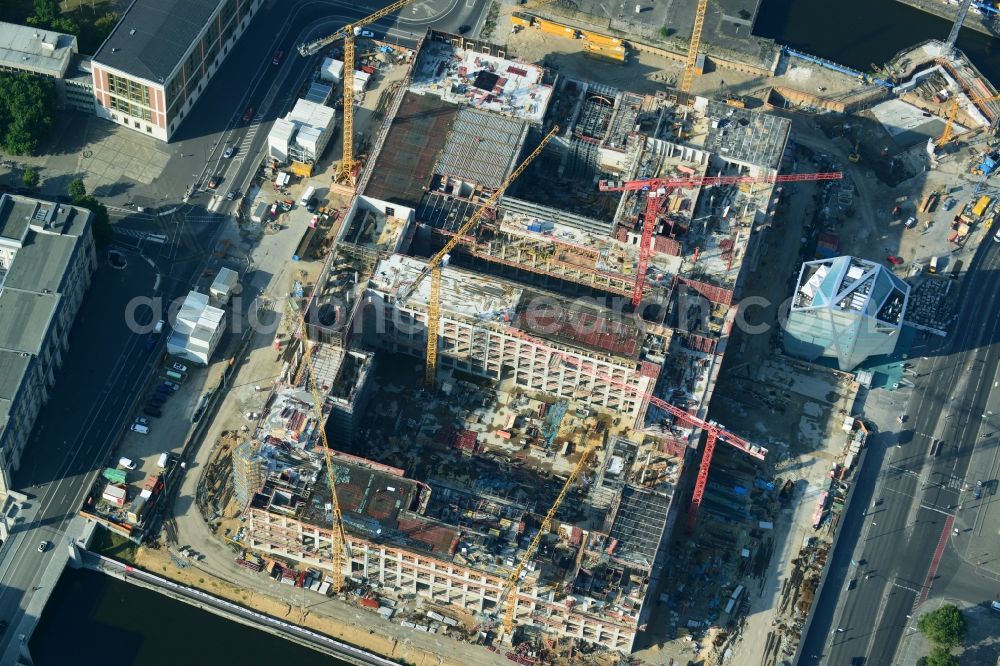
{"points": [[144, 77]]}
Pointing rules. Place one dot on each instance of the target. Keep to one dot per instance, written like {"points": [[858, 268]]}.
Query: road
{"points": [[892, 548], [94, 395]]}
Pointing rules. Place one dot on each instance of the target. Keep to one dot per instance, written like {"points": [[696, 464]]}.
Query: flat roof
{"points": [[35, 50], [41, 263], [153, 36], [580, 325], [462, 292], [746, 136], [17, 213], [483, 81], [13, 366], [403, 170], [481, 147], [25, 318]]}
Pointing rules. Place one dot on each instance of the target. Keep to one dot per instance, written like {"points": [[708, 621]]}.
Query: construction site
{"points": [[576, 250]]}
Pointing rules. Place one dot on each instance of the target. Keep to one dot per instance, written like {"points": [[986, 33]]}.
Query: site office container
{"points": [[553, 28]]}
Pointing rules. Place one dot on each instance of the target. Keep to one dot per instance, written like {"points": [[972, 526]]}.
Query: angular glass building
{"points": [[845, 308]]}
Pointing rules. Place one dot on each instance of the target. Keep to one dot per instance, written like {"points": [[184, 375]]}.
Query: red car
{"points": [[894, 260], [248, 114], [276, 60]]}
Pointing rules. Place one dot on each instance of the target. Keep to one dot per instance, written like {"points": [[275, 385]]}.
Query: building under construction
{"points": [[545, 365]]}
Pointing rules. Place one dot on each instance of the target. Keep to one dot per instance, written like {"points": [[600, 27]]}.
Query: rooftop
{"points": [[462, 292], [41, 263], [486, 82], [24, 319], [35, 50], [746, 136], [18, 213], [153, 36], [854, 285], [416, 137], [480, 148]]}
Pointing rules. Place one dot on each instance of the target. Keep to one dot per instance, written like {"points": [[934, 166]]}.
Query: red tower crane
{"points": [[714, 430], [656, 189]]}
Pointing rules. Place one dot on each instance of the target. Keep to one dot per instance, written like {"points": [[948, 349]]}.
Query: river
{"points": [[859, 33], [97, 619]]}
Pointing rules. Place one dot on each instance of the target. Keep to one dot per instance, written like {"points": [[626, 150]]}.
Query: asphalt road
{"points": [[908, 496], [108, 364]]}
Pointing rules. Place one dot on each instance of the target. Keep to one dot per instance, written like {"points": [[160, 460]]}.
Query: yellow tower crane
{"points": [[508, 598], [433, 267], [345, 172], [339, 546], [947, 135], [692, 56]]}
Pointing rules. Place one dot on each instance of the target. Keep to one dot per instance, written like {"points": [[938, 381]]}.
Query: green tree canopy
{"points": [[77, 189], [31, 178], [102, 221], [940, 656], [46, 11], [26, 106], [945, 626]]}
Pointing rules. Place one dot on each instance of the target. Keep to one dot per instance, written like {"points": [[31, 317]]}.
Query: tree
{"points": [[77, 189], [102, 221], [26, 106], [46, 11], [945, 626], [65, 25], [31, 178], [940, 656]]}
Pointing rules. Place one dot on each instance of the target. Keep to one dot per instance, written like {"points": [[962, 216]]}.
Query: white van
{"points": [[306, 196], [127, 462], [932, 267], [162, 462]]}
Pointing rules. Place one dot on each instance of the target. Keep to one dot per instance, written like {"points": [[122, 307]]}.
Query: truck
{"points": [[981, 206], [306, 196]]}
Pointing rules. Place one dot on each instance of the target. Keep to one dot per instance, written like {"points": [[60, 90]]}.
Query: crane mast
{"points": [[345, 172], [338, 539], [692, 55], [433, 266], [656, 190], [509, 594]]}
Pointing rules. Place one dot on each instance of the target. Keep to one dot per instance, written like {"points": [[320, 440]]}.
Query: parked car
{"points": [[142, 430], [910, 222], [163, 390], [949, 203], [248, 114], [127, 463], [213, 182], [152, 410], [464, 29], [228, 152], [278, 57], [142, 420], [3, 626], [174, 388], [894, 260], [996, 236], [43, 546], [178, 367], [156, 400]]}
